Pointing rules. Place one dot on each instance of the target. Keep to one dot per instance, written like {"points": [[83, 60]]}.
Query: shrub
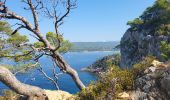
{"points": [[135, 22], [165, 50], [9, 95], [112, 82], [140, 67]]}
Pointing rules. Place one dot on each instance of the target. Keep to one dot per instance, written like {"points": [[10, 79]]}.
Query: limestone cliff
{"points": [[148, 35]]}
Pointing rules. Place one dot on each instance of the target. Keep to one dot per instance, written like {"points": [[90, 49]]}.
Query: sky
{"points": [[92, 20]]}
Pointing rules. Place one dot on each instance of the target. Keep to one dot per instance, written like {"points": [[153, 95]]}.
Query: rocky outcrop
{"points": [[153, 85], [102, 65], [144, 36], [51, 95], [59, 95], [137, 45]]}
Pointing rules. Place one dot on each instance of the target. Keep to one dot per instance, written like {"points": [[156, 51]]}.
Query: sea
{"points": [[77, 60]]}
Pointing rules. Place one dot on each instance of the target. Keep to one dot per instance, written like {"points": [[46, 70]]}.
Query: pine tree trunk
{"points": [[10, 80], [63, 65]]}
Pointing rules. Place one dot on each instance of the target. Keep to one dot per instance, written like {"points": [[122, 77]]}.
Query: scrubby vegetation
{"points": [[9, 95], [155, 18], [165, 50], [114, 81], [103, 64], [140, 67]]}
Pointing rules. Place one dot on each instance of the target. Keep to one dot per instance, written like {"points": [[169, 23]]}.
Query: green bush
{"points": [[112, 82], [156, 19], [9, 95], [135, 22], [140, 67], [165, 50]]}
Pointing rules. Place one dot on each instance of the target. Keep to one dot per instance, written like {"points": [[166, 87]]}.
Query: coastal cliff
{"points": [[148, 35]]}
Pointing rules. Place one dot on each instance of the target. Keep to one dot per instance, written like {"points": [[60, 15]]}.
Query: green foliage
{"points": [[165, 50], [135, 22], [9, 43], [106, 62], [140, 67], [163, 29], [114, 81], [7, 66], [155, 18], [4, 27], [66, 45], [10, 49], [8, 95], [38, 44], [17, 39], [55, 39]]}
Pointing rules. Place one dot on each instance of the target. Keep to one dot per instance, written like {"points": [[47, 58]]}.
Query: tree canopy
{"points": [[155, 18]]}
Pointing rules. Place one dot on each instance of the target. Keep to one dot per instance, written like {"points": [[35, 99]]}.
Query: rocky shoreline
{"points": [[102, 64]]}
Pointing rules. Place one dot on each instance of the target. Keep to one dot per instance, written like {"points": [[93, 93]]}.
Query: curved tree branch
{"points": [[10, 80]]}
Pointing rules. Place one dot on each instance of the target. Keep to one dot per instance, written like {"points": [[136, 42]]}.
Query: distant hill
{"points": [[94, 46]]}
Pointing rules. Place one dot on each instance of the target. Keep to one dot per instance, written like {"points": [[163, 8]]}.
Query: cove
{"points": [[77, 60]]}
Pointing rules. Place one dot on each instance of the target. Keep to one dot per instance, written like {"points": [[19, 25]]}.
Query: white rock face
{"points": [[123, 95], [142, 40], [136, 45], [59, 95]]}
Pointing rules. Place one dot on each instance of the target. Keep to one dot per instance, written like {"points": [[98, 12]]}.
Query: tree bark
{"points": [[64, 66], [10, 80]]}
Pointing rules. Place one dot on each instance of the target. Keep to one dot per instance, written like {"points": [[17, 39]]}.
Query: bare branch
{"points": [[5, 13], [70, 6], [39, 5], [16, 30], [38, 57], [35, 37], [48, 13], [49, 78], [56, 75], [34, 14]]}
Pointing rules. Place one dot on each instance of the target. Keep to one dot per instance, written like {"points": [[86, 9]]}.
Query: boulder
{"points": [[59, 95], [158, 64], [154, 84], [123, 95]]}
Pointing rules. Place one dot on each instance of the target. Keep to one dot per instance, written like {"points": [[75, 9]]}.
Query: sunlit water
{"points": [[77, 60]]}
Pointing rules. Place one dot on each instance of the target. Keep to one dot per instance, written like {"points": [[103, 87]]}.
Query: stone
{"points": [[138, 95], [165, 85], [156, 63], [123, 95], [150, 70], [59, 95]]}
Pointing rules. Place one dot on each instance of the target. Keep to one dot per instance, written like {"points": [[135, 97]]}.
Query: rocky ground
{"points": [[153, 85], [59, 95]]}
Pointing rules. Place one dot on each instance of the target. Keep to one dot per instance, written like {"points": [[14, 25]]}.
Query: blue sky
{"points": [[92, 20]]}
